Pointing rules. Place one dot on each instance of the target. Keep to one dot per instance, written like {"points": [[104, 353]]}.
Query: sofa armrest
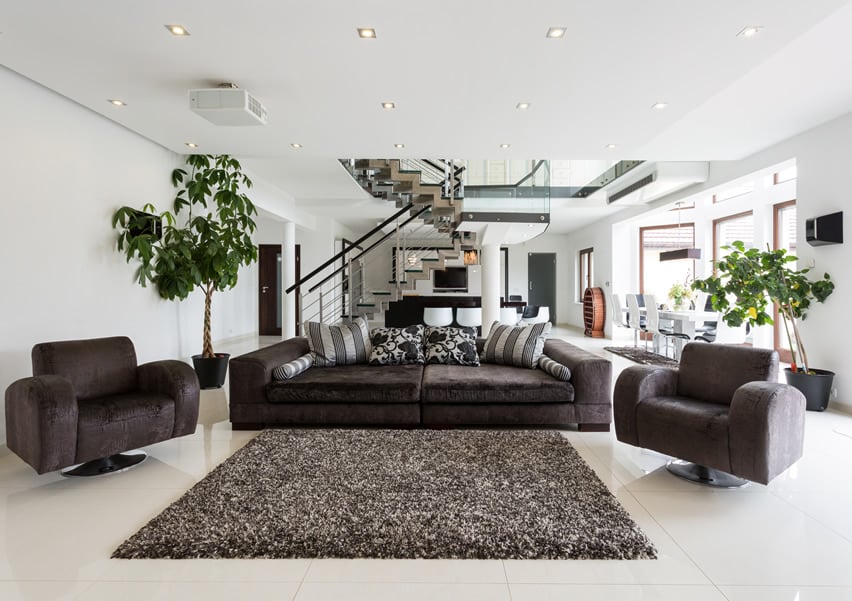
{"points": [[41, 422], [634, 384], [177, 380], [591, 375], [766, 429], [250, 373]]}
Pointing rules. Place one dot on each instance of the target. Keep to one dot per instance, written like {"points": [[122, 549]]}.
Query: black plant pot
{"points": [[816, 386], [211, 370]]}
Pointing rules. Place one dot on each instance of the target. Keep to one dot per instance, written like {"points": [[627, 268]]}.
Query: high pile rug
{"points": [[473, 494], [639, 355]]}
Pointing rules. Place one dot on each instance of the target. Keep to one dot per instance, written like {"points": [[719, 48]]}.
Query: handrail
{"points": [[345, 250], [530, 174], [366, 250]]}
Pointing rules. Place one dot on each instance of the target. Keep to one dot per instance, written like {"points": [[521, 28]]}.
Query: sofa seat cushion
{"points": [[350, 384], [685, 428], [490, 383], [112, 424]]}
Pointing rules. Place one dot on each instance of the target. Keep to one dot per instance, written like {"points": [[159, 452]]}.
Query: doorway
{"points": [[271, 291], [541, 285]]}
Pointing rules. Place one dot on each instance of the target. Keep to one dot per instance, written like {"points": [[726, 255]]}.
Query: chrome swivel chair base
{"points": [[113, 464], [704, 475]]}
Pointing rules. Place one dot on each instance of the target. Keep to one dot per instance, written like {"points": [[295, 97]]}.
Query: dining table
{"points": [[684, 321]]}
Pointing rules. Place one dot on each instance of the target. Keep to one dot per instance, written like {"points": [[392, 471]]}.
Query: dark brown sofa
{"points": [[413, 395]]}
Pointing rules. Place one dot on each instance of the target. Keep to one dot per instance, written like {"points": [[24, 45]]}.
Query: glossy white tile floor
{"points": [[790, 541]]}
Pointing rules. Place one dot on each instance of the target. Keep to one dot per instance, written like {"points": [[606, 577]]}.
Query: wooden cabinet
{"points": [[594, 312]]}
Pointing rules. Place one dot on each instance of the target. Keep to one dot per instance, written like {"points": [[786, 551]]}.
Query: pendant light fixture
{"points": [[680, 253]]}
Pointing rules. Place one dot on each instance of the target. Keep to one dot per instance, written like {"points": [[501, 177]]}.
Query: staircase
{"points": [[428, 195]]}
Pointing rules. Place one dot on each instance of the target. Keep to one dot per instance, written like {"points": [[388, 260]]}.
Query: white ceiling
{"points": [[455, 70]]}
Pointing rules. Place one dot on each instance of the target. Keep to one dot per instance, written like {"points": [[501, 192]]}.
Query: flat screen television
{"points": [[450, 279]]}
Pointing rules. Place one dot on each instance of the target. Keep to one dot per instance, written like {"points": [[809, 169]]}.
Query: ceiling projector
{"points": [[227, 105]]}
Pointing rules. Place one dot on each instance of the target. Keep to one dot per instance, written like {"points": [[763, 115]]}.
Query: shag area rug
{"points": [[639, 355], [469, 494]]}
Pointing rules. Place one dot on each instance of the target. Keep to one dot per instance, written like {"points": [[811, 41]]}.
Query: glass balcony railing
{"points": [[507, 187]]}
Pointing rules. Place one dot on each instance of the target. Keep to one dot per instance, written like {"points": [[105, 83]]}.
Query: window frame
{"points": [[642, 231], [784, 354], [585, 270]]}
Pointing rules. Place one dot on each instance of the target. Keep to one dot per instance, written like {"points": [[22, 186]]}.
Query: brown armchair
{"points": [[722, 410], [88, 401]]}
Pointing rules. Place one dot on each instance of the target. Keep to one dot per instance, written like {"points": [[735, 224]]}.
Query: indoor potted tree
{"points": [[754, 280], [201, 244]]}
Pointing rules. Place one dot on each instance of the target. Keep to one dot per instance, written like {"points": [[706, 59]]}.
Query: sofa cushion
{"points": [[554, 368], [451, 346], [344, 344], [350, 384], [397, 346], [520, 346], [491, 383], [293, 368]]}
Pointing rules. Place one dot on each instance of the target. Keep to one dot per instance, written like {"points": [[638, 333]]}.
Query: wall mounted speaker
{"points": [[827, 229]]}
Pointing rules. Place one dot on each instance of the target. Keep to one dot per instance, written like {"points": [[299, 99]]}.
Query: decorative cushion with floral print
{"points": [[397, 346], [451, 346]]}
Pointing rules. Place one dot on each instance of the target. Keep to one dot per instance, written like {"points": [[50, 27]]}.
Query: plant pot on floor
{"points": [[816, 386], [211, 370]]}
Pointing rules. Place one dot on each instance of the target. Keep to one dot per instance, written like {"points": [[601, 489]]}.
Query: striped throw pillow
{"points": [[554, 368], [346, 344], [514, 345], [292, 368]]}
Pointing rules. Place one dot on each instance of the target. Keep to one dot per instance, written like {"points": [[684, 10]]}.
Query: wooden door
{"points": [[269, 290]]}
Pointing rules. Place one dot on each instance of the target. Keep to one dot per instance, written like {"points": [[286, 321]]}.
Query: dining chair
{"points": [[509, 316], [469, 317], [438, 316], [634, 319], [652, 314]]}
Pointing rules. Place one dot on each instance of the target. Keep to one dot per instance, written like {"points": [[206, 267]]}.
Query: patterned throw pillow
{"points": [[293, 368], [554, 368], [397, 346], [518, 346], [346, 344], [451, 346]]}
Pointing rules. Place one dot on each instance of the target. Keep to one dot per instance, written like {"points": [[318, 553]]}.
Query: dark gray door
{"points": [[541, 272]]}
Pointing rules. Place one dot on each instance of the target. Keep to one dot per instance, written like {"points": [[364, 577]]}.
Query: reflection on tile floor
{"points": [[789, 541]]}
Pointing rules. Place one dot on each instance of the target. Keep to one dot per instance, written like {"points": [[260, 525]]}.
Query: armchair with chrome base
{"points": [[722, 410], [88, 401]]}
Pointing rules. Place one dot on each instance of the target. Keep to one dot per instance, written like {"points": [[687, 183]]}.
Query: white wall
{"points": [[822, 156], [65, 170]]}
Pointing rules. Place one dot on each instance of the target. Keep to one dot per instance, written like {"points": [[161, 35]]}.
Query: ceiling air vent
{"points": [[650, 178]]}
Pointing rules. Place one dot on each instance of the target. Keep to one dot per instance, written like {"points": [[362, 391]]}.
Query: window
{"points": [[784, 237], [657, 277], [585, 275], [731, 228]]}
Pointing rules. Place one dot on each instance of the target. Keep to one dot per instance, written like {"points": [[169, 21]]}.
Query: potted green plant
{"points": [[202, 243], [755, 280], [679, 294]]}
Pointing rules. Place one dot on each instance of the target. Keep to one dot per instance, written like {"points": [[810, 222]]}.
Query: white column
{"points": [[490, 260], [288, 278]]}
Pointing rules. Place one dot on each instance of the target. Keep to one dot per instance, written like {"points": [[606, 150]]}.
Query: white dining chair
{"points": [[652, 323], [618, 312], [509, 316], [469, 317], [634, 319], [531, 315], [438, 316]]}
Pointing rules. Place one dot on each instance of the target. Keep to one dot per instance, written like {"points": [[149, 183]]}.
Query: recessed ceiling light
{"points": [[116, 102], [191, 144], [504, 146], [399, 145], [178, 30], [611, 146], [659, 105], [388, 105], [295, 145], [366, 32], [556, 32], [750, 31], [523, 106]]}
